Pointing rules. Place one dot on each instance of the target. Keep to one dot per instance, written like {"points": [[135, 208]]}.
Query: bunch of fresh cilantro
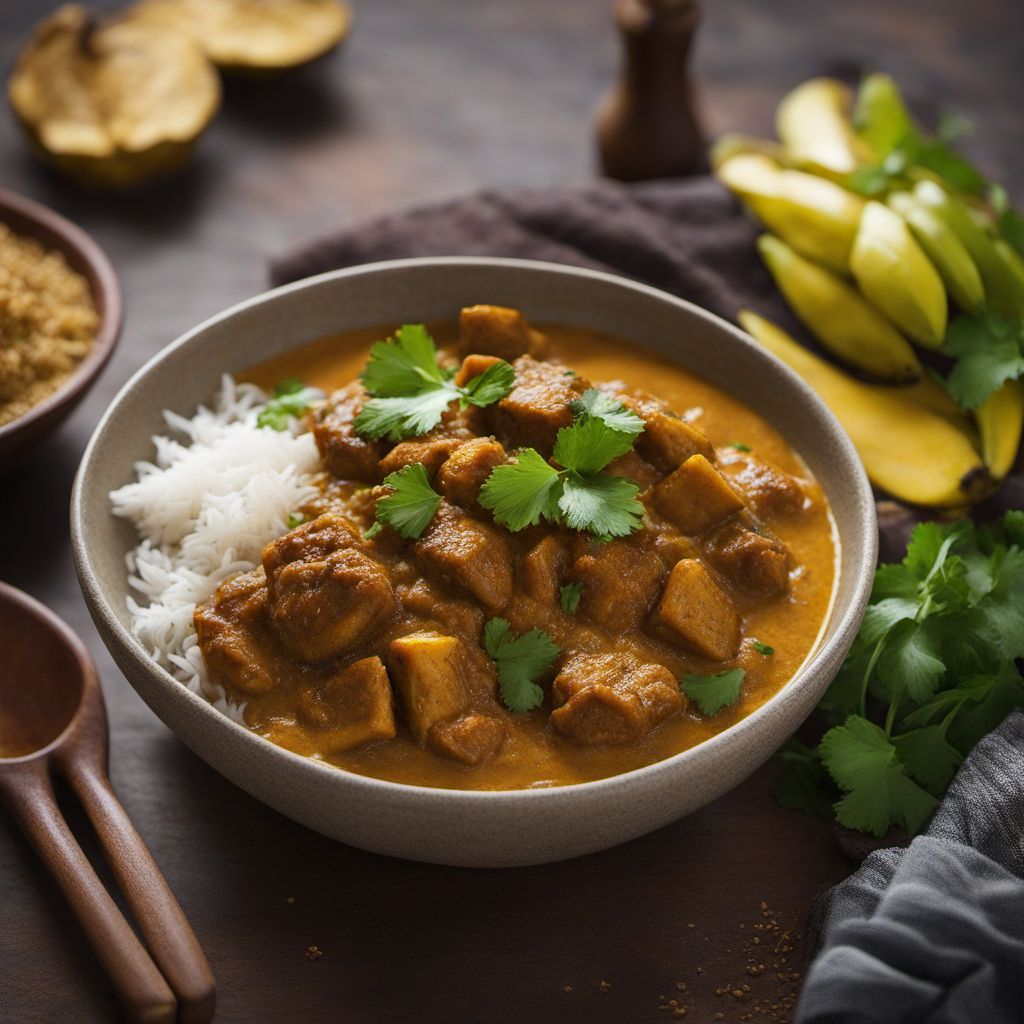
{"points": [[933, 669]]}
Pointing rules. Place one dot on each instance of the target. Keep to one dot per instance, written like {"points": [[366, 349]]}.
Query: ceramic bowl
{"points": [[31, 219], [440, 825]]}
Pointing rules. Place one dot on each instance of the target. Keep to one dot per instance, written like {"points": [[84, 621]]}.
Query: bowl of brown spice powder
{"points": [[60, 317]]}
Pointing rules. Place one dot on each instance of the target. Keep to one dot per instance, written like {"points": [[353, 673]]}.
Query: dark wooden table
{"points": [[433, 97]]}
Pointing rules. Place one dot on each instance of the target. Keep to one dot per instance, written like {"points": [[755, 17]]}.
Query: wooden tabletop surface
{"points": [[432, 98]]}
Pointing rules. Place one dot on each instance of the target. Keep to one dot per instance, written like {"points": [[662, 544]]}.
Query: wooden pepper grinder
{"points": [[646, 125]]}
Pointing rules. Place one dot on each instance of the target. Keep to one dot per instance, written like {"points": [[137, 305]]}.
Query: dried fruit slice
{"points": [[112, 102], [256, 36]]}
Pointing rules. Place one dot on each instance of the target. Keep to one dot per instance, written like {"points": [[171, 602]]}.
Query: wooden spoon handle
{"points": [[160, 918], [143, 991]]}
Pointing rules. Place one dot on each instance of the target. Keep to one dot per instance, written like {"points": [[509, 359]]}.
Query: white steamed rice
{"points": [[204, 509]]}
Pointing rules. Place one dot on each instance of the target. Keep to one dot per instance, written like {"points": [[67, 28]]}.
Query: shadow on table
{"points": [[288, 107]]}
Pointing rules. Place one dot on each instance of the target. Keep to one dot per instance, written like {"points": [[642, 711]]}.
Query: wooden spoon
{"points": [[52, 717]]}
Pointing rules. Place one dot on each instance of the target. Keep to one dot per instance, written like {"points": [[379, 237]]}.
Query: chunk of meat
{"points": [[316, 539], [695, 496], [429, 451], [345, 454], [770, 491], [471, 738], [351, 708], [533, 412], [451, 615], [632, 467], [463, 474], [543, 568], [469, 554], [751, 561], [667, 440], [497, 331], [620, 583], [611, 698], [324, 594], [438, 678], [694, 611], [232, 632], [474, 365]]}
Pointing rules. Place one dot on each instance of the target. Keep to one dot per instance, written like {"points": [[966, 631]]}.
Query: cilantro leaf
{"points": [[569, 597], [290, 400], [604, 505], [991, 699], [402, 366], [411, 505], [399, 418], [989, 350], [590, 444], [520, 662], [411, 391], [490, 386], [878, 792], [929, 757], [763, 649], [910, 661], [712, 693], [595, 404], [523, 492], [804, 784]]}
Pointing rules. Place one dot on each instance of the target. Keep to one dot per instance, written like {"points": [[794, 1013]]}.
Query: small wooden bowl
{"points": [[25, 217]]}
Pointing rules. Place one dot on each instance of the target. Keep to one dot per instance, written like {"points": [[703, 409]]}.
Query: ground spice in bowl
{"points": [[48, 322]]}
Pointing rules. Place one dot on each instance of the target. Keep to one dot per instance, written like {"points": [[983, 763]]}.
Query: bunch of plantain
{"points": [[878, 238], [117, 101]]}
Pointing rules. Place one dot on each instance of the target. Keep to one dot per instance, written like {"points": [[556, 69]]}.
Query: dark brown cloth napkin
{"points": [[690, 238]]}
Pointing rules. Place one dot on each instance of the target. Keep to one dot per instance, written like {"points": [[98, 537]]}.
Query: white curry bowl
{"points": [[471, 828]]}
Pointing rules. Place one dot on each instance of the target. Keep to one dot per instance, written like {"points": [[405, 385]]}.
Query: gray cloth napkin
{"points": [[933, 933]]}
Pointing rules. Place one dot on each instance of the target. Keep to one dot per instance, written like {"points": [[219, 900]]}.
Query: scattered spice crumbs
{"points": [[314, 953], [766, 991], [604, 986]]}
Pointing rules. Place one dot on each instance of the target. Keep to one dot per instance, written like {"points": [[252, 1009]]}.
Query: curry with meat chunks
{"points": [[536, 557]]}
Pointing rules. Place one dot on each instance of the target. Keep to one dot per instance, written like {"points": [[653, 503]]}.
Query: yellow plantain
{"points": [[1012, 259], [731, 144], [845, 323], [881, 117], [947, 252], [915, 455], [1000, 421], [894, 273], [929, 394], [1002, 290], [814, 216], [813, 122]]}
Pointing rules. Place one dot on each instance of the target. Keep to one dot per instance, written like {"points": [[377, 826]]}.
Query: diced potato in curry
{"points": [[369, 650], [442, 684]]}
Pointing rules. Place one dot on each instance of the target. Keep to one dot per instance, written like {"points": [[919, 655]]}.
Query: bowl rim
{"points": [[865, 546], [44, 225]]}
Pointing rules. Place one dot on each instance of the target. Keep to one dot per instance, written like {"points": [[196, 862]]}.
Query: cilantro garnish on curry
{"points": [[535, 558]]}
